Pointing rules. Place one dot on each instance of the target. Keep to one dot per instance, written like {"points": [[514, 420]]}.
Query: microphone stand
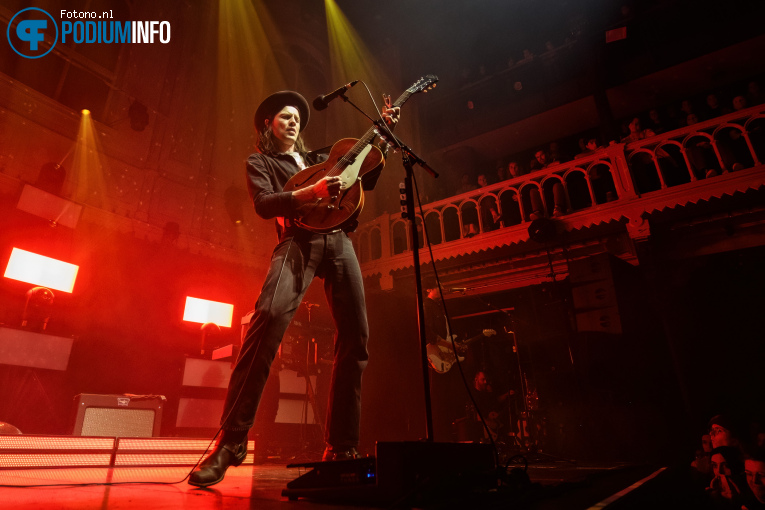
{"points": [[409, 159]]}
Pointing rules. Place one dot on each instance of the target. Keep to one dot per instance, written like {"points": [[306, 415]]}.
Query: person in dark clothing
{"points": [[493, 407], [299, 256]]}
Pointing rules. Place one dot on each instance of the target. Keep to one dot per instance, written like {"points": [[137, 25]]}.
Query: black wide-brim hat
{"points": [[278, 100]]}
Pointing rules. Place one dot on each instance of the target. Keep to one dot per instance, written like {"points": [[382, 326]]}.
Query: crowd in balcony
{"points": [[558, 197]]}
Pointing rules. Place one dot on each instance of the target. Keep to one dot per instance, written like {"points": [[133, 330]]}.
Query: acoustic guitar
{"points": [[441, 355], [350, 159]]}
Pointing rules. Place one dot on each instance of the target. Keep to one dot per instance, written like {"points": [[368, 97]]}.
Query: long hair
{"points": [[267, 144]]}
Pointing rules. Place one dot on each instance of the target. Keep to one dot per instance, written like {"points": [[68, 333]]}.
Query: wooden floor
{"points": [[554, 485]]}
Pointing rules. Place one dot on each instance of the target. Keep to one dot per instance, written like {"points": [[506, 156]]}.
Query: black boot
{"points": [[213, 468]]}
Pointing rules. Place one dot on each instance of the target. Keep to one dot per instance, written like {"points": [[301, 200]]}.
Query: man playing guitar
{"points": [[300, 255]]}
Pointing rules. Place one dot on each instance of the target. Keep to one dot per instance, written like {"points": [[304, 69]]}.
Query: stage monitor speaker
{"points": [[118, 415]]}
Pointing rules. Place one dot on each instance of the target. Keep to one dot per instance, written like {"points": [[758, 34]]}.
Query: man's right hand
{"points": [[326, 187]]}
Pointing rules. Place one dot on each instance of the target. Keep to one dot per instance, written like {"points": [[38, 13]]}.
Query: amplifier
{"points": [[118, 415]]}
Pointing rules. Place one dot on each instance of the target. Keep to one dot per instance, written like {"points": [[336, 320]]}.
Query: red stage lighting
{"points": [[204, 311], [29, 267]]}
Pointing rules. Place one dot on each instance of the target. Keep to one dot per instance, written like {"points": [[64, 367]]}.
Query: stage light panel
{"points": [[204, 311], [49, 206], [29, 267]]}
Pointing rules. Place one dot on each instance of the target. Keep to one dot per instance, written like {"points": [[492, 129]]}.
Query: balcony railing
{"points": [[620, 182]]}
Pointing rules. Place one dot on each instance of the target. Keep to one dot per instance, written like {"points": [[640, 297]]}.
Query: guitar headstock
{"points": [[489, 332], [424, 84]]}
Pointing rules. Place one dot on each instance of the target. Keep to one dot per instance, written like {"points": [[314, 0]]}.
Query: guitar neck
{"points": [[372, 132], [474, 338]]}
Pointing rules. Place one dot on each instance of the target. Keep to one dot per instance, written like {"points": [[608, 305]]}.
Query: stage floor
{"points": [[554, 485]]}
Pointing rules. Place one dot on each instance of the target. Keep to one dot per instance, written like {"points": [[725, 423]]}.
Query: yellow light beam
{"points": [[350, 59], [88, 168], [247, 72]]}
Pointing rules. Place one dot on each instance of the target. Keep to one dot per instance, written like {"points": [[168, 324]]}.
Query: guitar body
{"points": [[350, 159], [324, 215], [441, 355], [441, 358]]}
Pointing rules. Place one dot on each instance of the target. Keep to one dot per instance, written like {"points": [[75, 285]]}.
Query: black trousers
{"points": [[299, 257]]}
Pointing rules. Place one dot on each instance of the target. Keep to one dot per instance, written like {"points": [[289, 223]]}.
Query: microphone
{"points": [[458, 289], [321, 102]]}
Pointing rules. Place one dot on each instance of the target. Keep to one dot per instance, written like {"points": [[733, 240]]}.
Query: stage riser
{"points": [[35, 452]]}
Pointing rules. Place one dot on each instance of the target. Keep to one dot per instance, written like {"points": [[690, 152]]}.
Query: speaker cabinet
{"points": [[118, 415]]}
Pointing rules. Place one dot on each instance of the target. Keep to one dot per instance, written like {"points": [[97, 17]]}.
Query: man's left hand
{"points": [[390, 113]]}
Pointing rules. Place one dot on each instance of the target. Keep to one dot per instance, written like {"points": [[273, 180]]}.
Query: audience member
{"points": [[754, 470], [490, 215], [625, 129], [703, 461], [686, 108], [511, 213], [753, 94], [539, 162], [528, 56], [555, 154], [723, 430], [728, 481], [465, 184], [656, 123], [700, 153], [590, 147], [514, 169], [602, 181], [636, 133], [502, 174], [713, 107], [733, 148], [543, 160], [739, 103]]}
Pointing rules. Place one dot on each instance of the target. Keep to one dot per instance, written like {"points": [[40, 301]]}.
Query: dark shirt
{"points": [[268, 173], [266, 177], [487, 402]]}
